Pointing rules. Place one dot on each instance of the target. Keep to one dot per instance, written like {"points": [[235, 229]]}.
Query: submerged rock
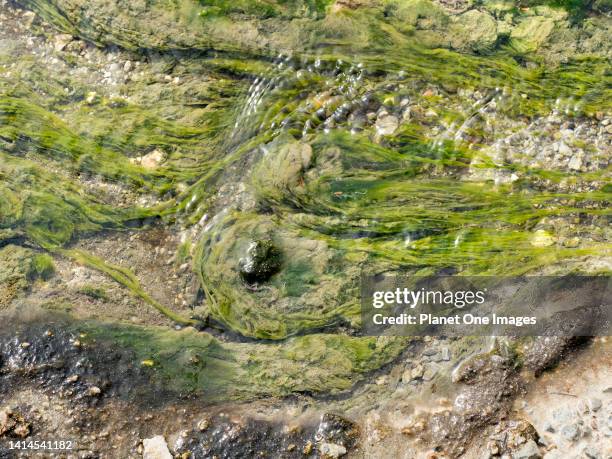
{"points": [[386, 124], [531, 33], [474, 31], [334, 431], [61, 41], [570, 432], [542, 238], [283, 168], [263, 259], [151, 160]]}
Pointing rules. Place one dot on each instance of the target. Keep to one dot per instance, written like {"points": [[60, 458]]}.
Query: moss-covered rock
{"points": [[306, 294], [420, 14], [531, 33], [605, 6], [280, 174], [474, 31], [498, 8]]}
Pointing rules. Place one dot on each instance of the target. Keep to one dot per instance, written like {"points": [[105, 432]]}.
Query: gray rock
{"points": [[570, 432], [563, 149], [386, 124], [595, 404], [562, 416], [576, 162], [61, 41], [592, 452], [548, 427], [155, 448], [529, 450], [430, 351], [430, 372], [417, 372]]}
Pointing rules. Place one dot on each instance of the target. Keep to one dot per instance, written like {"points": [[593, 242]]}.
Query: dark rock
{"points": [[337, 430], [545, 351], [263, 260], [227, 439]]}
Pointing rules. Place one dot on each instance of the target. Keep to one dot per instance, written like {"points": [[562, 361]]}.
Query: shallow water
{"points": [[347, 157]]}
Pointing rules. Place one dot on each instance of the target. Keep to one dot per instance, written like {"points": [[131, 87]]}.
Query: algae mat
{"points": [[293, 146]]}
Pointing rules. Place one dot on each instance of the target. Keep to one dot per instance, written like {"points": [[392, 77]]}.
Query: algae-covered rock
{"points": [[263, 259], [435, 26], [498, 7], [8, 235], [605, 6], [475, 31], [422, 17], [531, 33], [282, 169], [557, 14], [413, 12], [306, 293]]}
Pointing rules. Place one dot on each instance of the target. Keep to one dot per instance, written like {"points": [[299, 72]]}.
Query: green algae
{"points": [[50, 210], [196, 362], [383, 213], [126, 278], [263, 9], [336, 203], [19, 268], [263, 27], [97, 293]]}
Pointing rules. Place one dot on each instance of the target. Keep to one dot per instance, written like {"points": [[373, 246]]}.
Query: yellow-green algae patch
{"points": [[334, 201], [193, 361]]}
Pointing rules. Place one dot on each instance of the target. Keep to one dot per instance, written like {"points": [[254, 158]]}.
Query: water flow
{"points": [[257, 92]]}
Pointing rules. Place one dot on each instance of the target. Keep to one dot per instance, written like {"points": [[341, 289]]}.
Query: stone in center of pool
{"points": [[263, 259]]}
